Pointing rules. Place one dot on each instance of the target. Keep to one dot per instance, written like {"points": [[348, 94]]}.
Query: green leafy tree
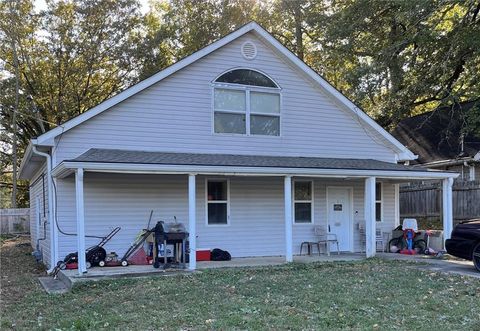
{"points": [[404, 57], [71, 56]]}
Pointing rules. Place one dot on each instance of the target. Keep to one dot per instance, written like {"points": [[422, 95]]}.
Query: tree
{"points": [[406, 57], [177, 28], [71, 57], [392, 58]]}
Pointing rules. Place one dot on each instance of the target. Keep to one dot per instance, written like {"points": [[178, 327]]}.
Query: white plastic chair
{"points": [[379, 238], [326, 238]]}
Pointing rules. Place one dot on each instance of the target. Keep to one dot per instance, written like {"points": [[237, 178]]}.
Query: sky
{"points": [[41, 4]]}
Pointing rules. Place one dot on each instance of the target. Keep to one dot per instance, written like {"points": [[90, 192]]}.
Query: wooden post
{"points": [[192, 222], [370, 222], [288, 219], [82, 264]]}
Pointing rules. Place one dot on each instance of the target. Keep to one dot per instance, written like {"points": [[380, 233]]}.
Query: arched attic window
{"points": [[246, 77], [246, 102]]}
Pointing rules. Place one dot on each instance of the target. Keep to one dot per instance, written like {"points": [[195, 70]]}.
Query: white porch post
{"points": [[397, 204], [447, 206], [288, 219], [191, 222], [82, 264], [370, 223]]}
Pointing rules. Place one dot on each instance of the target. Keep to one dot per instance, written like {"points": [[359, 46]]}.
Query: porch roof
{"points": [[114, 160]]}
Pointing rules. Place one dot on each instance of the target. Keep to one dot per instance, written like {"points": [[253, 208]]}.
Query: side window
{"points": [[302, 200], [217, 202], [378, 202]]}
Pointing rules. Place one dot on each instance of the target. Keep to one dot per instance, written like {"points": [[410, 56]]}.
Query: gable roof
{"points": [[402, 152], [436, 135]]}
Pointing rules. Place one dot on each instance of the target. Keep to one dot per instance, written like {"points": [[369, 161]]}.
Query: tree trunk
{"points": [[298, 30], [14, 120]]}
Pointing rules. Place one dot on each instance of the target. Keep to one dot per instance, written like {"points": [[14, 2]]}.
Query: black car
{"points": [[465, 242]]}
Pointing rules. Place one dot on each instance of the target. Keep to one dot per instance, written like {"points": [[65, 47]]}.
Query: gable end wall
{"points": [[175, 115]]}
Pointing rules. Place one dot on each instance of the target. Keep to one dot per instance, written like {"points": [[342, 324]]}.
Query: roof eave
{"points": [[25, 160], [68, 167]]}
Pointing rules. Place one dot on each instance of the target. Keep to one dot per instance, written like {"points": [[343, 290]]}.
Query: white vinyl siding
{"points": [[257, 225], [39, 214], [176, 115]]}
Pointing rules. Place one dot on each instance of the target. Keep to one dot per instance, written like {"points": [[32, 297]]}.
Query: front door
{"points": [[340, 217]]}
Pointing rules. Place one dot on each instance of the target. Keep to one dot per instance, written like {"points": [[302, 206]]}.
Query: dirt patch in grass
{"points": [[373, 294], [18, 270]]}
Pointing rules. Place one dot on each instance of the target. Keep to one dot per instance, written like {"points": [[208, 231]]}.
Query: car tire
{"points": [[476, 256]]}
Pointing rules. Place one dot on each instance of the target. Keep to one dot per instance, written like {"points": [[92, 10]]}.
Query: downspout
{"points": [[53, 233]]}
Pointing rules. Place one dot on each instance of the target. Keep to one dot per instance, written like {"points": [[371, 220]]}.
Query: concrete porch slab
{"points": [[71, 277], [97, 273]]}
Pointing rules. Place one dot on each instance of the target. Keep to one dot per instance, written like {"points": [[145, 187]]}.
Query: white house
{"points": [[241, 140]]}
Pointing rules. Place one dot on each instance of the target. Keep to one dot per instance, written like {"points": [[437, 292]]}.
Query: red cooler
{"points": [[203, 254]]}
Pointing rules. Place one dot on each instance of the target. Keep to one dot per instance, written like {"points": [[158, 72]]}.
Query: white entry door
{"points": [[340, 217]]}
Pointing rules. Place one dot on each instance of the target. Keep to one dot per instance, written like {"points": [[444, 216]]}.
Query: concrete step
{"points": [[54, 286]]}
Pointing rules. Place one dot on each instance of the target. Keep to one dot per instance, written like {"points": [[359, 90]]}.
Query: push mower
{"points": [[134, 253], [93, 255]]}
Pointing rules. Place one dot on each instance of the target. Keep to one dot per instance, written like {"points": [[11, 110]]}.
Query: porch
{"points": [[260, 202]]}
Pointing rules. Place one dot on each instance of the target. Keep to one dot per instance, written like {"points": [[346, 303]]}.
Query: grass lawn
{"points": [[372, 294]]}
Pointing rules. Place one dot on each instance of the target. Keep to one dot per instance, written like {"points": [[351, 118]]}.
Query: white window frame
{"points": [[207, 202], [379, 201], [311, 201], [247, 89]]}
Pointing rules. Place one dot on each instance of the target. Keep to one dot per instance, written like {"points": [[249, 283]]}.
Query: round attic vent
{"points": [[249, 50]]}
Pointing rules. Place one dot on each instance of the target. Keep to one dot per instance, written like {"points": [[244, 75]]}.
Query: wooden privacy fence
{"points": [[425, 200], [14, 221]]}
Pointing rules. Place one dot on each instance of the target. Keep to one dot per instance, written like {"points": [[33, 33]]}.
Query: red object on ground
{"points": [[138, 258], [73, 265], [408, 252], [203, 255], [149, 260]]}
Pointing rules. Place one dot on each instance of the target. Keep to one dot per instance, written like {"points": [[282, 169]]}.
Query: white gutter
{"points": [[450, 162], [65, 168], [53, 232]]}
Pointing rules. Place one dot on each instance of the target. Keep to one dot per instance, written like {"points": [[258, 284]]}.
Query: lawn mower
{"points": [[93, 255], [135, 253]]}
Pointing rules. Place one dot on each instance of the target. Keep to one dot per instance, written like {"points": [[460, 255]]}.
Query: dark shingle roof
{"points": [[436, 135], [140, 157]]}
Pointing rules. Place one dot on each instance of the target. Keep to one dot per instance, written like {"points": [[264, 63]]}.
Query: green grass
{"points": [[372, 294]]}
